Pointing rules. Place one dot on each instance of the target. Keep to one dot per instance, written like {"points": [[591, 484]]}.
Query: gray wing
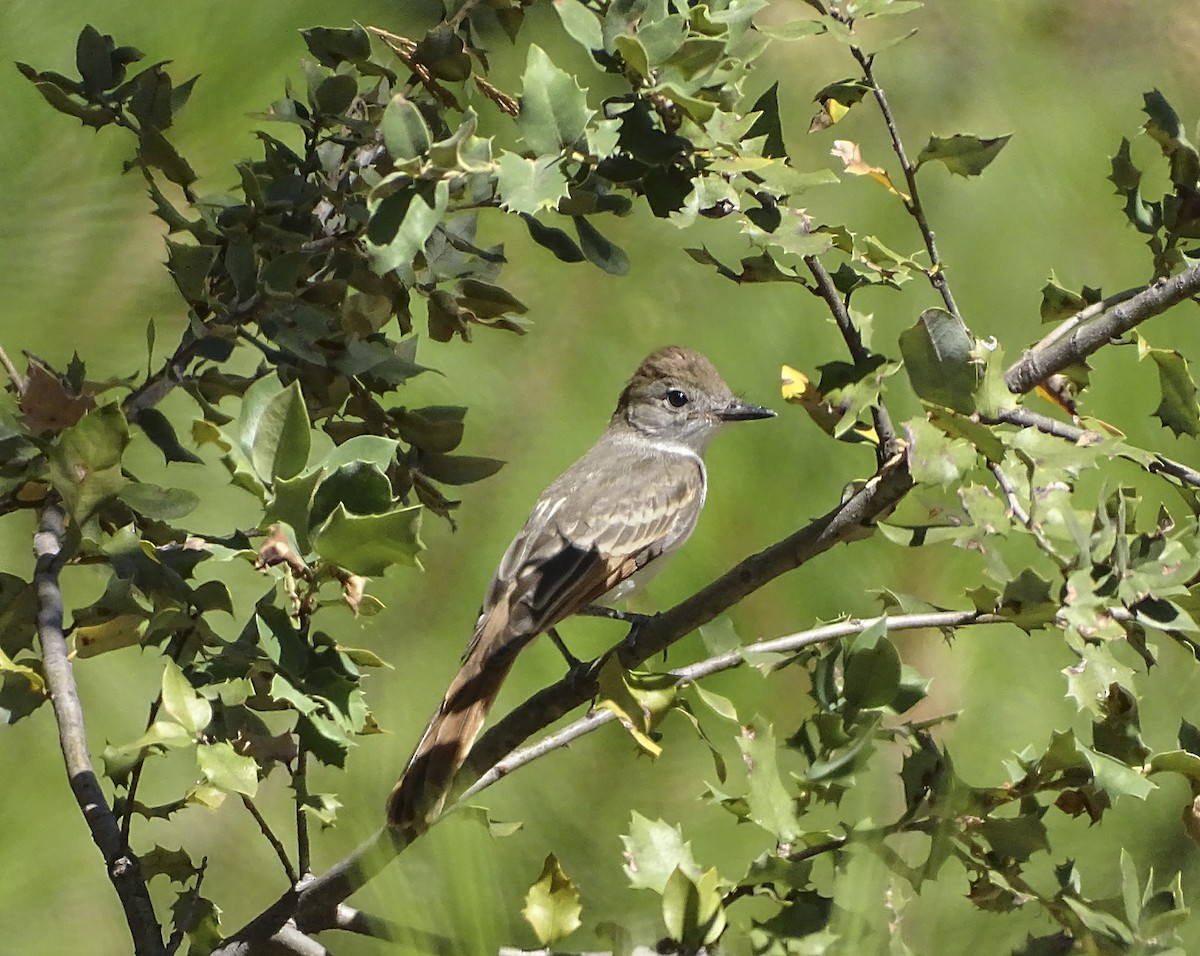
{"points": [[590, 530]]}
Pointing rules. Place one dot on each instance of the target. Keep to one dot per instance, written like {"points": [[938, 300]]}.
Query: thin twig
{"points": [[1039, 363], [936, 273], [1153, 462], [747, 889], [1018, 512], [858, 351], [300, 785], [1085, 314], [184, 917], [1010, 495], [729, 660], [17, 379], [123, 867], [276, 843]]}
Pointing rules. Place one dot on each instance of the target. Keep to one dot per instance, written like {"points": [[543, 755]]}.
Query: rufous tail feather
{"points": [[419, 795]]}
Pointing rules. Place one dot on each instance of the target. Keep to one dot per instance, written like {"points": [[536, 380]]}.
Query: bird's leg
{"points": [[625, 617], [572, 661]]}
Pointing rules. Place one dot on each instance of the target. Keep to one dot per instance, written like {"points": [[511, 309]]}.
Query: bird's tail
{"points": [[419, 795]]}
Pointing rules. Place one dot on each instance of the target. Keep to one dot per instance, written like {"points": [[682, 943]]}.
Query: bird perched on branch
{"points": [[634, 496]]}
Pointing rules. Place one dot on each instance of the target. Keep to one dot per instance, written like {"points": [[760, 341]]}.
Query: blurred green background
{"points": [[82, 271]]}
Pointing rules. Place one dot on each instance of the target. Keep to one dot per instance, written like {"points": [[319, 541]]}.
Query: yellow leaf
{"points": [[851, 158]]}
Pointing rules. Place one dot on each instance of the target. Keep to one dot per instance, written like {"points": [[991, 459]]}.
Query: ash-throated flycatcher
{"points": [[635, 495]]}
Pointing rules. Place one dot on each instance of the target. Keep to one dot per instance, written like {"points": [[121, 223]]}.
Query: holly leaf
{"points": [[962, 154], [554, 111], [552, 905]]}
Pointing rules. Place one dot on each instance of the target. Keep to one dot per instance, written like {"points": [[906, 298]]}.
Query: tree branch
{"points": [[1155, 463], [17, 379], [790, 644], [276, 843], [1042, 361], [1085, 314], [124, 870], [858, 351], [849, 520], [936, 273]]}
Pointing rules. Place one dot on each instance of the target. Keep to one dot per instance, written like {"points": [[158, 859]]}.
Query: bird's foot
{"points": [[625, 617], [573, 662]]}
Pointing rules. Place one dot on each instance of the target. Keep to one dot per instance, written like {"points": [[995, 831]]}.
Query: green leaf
{"points": [[159, 429], [528, 186], [358, 486], [638, 707], [836, 100], [581, 24], [292, 504], [181, 701], [1186, 764], [189, 266], [162, 734], [57, 89], [332, 46], [693, 910], [176, 865], [273, 429], [872, 669], [458, 469], [962, 154], [442, 50], [158, 503], [335, 94], [85, 464], [937, 354], [369, 544], [94, 60], [496, 828], [422, 208], [767, 124], [599, 251], [1164, 127], [557, 241], [1059, 302], [769, 804], [1178, 409], [552, 905], [226, 769], [404, 131], [22, 690], [653, 851], [155, 150], [982, 437], [554, 111]]}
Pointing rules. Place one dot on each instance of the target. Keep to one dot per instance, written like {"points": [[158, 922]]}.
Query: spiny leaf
{"points": [[962, 154], [554, 110], [552, 905]]}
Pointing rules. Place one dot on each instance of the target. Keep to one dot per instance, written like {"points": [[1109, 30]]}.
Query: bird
{"points": [[598, 530]]}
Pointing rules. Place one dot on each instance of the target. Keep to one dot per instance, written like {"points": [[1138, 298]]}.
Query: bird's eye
{"points": [[677, 397]]}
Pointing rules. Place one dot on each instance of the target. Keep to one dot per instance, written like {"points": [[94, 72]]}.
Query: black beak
{"points": [[739, 411]]}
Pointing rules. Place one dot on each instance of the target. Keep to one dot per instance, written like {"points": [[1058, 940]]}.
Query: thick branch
{"points": [[1039, 363], [123, 868], [1086, 314], [849, 520]]}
